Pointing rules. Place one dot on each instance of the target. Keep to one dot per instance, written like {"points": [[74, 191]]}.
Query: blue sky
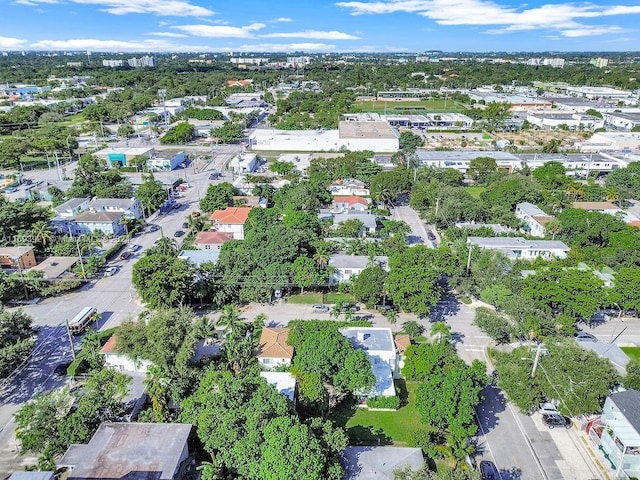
{"points": [[319, 25]]}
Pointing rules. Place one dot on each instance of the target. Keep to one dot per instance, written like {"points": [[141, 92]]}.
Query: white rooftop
{"points": [[284, 382]]}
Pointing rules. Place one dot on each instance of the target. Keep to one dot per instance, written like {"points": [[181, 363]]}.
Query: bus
{"points": [[81, 320]]}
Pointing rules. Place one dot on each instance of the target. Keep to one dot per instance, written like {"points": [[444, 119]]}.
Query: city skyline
{"points": [[320, 26]]}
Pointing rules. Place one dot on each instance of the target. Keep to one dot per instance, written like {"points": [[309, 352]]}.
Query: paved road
{"points": [[410, 217]]}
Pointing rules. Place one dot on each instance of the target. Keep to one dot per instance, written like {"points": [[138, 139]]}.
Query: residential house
{"points": [[346, 203], [379, 346], [349, 186], [32, 475], [617, 433], [610, 209], [72, 207], [198, 257], [245, 162], [249, 201], [379, 463], [128, 207], [121, 362], [347, 266], [108, 223], [273, 349], [55, 267], [212, 240], [18, 258], [534, 218], [231, 220], [129, 450], [300, 161], [284, 382], [520, 248], [369, 221]]}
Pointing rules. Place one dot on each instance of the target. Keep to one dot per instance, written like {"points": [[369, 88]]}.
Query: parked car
{"points": [[214, 175], [553, 420], [488, 470], [126, 254], [178, 233], [431, 236], [585, 337], [547, 407], [154, 228], [134, 248], [110, 271], [195, 214], [177, 206], [185, 225], [320, 308]]}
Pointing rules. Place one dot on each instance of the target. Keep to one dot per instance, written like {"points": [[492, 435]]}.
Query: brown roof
{"points": [[11, 251], [273, 343], [350, 199], [215, 238], [543, 219], [110, 346], [402, 343], [231, 215], [98, 217], [594, 205]]}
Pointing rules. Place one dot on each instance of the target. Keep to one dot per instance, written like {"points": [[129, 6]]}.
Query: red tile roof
{"points": [[231, 215], [350, 199], [273, 343], [215, 238], [110, 346]]}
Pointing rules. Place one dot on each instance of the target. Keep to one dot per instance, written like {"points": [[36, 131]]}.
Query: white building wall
{"points": [[271, 362], [236, 230], [123, 363]]}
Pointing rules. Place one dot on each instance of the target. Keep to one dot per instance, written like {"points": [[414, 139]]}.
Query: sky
{"points": [[316, 26]]}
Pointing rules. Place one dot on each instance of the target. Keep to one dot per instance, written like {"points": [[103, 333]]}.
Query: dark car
{"points": [[126, 254], [488, 470], [185, 225], [431, 236], [177, 206], [61, 369], [553, 420], [178, 233], [214, 175], [154, 228]]}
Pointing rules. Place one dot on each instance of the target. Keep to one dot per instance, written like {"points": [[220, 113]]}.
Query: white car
{"points": [[110, 271], [134, 248]]}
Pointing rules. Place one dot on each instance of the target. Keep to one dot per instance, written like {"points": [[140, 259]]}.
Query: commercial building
{"points": [[129, 450], [245, 162], [599, 93], [599, 62], [112, 63], [572, 121], [519, 248], [123, 156], [146, 61], [353, 136], [624, 121]]}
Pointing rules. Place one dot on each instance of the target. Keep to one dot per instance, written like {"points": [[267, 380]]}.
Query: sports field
{"points": [[424, 106]]}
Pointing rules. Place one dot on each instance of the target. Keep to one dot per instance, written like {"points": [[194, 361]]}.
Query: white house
{"points": [[71, 208], [246, 162], [108, 223], [120, 362], [520, 248], [367, 219], [534, 217], [284, 382], [300, 161], [231, 220], [618, 432], [379, 346], [345, 203], [128, 207], [273, 350], [346, 266]]}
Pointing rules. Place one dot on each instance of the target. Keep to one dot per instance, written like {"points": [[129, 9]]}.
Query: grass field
{"points": [[632, 352], [365, 427], [425, 106], [315, 297], [475, 191]]}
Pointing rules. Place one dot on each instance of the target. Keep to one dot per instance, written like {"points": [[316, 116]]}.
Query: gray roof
{"points": [[497, 228], [355, 261], [370, 338], [198, 257], [70, 204], [530, 209], [463, 155], [98, 217], [379, 463], [101, 203], [517, 242], [135, 451], [367, 219], [629, 404], [31, 476]]}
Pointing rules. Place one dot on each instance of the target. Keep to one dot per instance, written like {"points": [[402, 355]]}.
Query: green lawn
{"points": [[316, 297], [365, 427], [475, 191], [425, 106], [632, 352]]}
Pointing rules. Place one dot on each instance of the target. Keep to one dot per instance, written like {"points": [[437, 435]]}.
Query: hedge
{"points": [[383, 402]]}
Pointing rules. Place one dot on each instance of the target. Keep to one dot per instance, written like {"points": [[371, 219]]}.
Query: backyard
{"points": [[366, 427], [632, 352]]}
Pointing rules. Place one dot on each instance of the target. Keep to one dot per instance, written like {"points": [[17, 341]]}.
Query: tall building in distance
{"points": [[599, 62], [146, 61], [553, 62], [112, 63], [299, 60]]}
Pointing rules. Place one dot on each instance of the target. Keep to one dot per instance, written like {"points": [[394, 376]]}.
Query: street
{"points": [[418, 230]]}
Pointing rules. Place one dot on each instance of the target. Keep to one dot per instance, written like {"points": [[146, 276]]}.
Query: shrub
{"points": [[383, 402]]}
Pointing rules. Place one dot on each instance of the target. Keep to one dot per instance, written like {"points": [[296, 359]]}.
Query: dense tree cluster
{"points": [[93, 179], [179, 134], [15, 339]]}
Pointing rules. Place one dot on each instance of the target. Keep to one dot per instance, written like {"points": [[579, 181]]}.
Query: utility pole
{"points": [[536, 360], [73, 349], [437, 205], [469, 259]]}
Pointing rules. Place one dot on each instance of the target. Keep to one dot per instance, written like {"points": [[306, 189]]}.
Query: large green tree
{"points": [[369, 285], [218, 197], [163, 280], [15, 339], [151, 193]]}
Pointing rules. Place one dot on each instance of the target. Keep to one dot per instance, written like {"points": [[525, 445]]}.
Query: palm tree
{"points": [[166, 246], [412, 328], [196, 224], [575, 190], [611, 194], [230, 318], [392, 316], [156, 384], [442, 330], [336, 310], [42, 234]]}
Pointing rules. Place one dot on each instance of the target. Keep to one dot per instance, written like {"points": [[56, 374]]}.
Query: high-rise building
{"points": [[112, 63], [553, 62], [146, 61], [599, 62]]}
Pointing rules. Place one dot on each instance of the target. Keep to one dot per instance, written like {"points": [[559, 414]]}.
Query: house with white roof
{"points": [[534, 218], [519, 248], [378, 344], [368, 220], [284, 382], [347, 266]]}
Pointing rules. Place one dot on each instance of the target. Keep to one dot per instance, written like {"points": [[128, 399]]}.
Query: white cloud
{"points": [[313, 34], [589, 31], [283, 19], [221, 31], [96, 45], [289, 47], [168, 8], [167, 34], [559, 17], [10, 42]]}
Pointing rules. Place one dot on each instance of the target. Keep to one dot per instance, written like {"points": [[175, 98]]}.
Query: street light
{"points": [[84, 274]]}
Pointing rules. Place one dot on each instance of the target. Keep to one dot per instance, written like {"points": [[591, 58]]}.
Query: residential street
{"points": [[418, 230]]}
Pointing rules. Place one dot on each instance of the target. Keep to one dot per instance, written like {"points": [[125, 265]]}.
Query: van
{"points": [[319, 308]]}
